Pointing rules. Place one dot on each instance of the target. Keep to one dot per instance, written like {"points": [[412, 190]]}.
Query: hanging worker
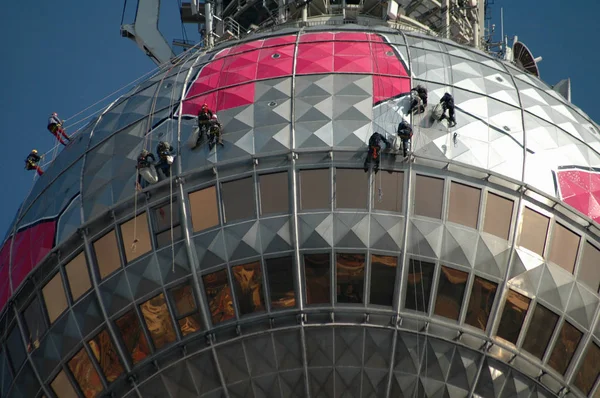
{"points": [[164, 151], [376, 144], [418, 101], [31, 163], [447, 102], [215, 132], [405, 133], [56, 128], [205, 117], [146, 172]]}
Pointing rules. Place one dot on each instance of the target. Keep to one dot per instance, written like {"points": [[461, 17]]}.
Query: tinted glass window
{"points": [[451, 290], [588, 267], [274, 193], [540, 331], [79, 278], [464, 204], [315, 189], [498, 215], [565, 347], [563, 250], [481, 301], [429, 196], [104, 350], [107, 254], [317, 268], [15, 348], [203, 204], [513, 315], [55, 298], [383, 279], [280, 272], [166, 218], [238, 199], [248, 287], [350, 273], [218, 295], [133, 337], [588, 370], [418, 289], [186, 309], [62, 387], [351, 189], [34, 320], [388, 192], [534, 230], [84, 372], [158, 321], [164, 238], [136, 237]]}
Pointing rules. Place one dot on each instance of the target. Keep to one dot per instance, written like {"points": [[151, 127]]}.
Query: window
{"points": [[107, 254], [588, 370], [350, 272], [34, 320], [136, 237], [218, 295], [186, 309], [563, 250], [274, 193], [158, 321], [85, 374], [104, 350], [351, 189], [14, 346], [418, 289], [205, 212], [238, 199], [165, 218], [498, 215], [565, 347], [513, 315], [317, 272], [62, 387], [481, 301], [280, 273], [464, 205], [588, 267], [392, 189], [451, 290], [315, 189], [534, 230], [540, 331], [78, 276], [133, 336], [55, 298], [383, 279], [429, 196], [247, 282]]}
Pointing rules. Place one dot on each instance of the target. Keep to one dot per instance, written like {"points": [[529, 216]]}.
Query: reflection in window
{"points": [[588, 370], [238, 199], [107, 254], [481, 301], [563, 250], [205, 213], [565, 347], [158, 321], [62, 387], [85, 374], [350, 272], [383, 279], [451, 290], [464, 204], [274, 195], [317, 271], [498, 215], [78, 276], [393, 186], [280, 273], [418, 289], [534, 230], [315, 189], [218, 294], [429, 196], [351, 189], [513, 315], [588, 267], [136, 237], [165, 218], [133, 337], [186, 310], [540, 331], [103, 349], [247, 282], [36, 327], [55, 298]]}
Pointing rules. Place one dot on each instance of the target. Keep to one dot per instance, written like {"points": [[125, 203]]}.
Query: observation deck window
{"points": [[315, 189], [84, 372], [107, 254], [62, 386], [280, 274], [588, 267], [158, 321], [218, 294], [565, 347], [392, 187], [274, 193], [383, 279], [564, 247], [166, 218], [133, 336], [534, 231], [498, 216], [351, 189], [186, 309], [350, 277], [513, 315], [248, 285], [429, 196], [481, 301], [34, 321], [136, 237], [588, 371], [540, 331], [104, 351], [464, 205], [451, 291], [238, 199], [204, 208], [78, 276], [55, 298], [317, 269], [418, 288]]}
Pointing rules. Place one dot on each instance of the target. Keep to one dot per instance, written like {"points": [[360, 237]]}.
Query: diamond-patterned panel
{"points": [[88, 314], [69, 221], [319, 347], [387, 232], [210, 247], [316, 230], [116, 292], [179, 381], [275, 234], [352, 110], [351, 230], [173, 270], [242, 240], [144, 276], [203, 373]]}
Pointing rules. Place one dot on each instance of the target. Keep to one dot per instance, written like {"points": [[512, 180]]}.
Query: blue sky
{"points": [[63, 56]]}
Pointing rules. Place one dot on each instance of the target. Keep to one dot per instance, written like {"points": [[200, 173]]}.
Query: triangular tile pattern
{"points": [[242, 389], [267, 386], [65, 334], [431, 66], [210, 248], [352, 110], [464, 368], [26, 383], [526, 271], [492, 255], [377, 354], [203, 373], [242, 240], [320, 381], [261, 355], [351, 229], [88, 314], [425, 238], [276, 234], [347, 381], [144, 276], [517, 386], [45, 358], [386, 232], [316, 230], [116, 292], [437, 360], [287, 350], [178, 381], [155, 387], [555, 286], [491, 379], [171, 271], [69, 221], [582, 305], [374, 382], [457, 245], [292, 383], [233, 363], [319, 347], [348, 347]]}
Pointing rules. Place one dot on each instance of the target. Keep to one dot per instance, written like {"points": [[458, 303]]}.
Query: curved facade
{"points": [[470, 271]]}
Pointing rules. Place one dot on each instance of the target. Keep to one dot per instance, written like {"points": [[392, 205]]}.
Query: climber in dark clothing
{"points": [[214, 133], [405, 133], [57, 130], [204, 117], [145, 161], [418, 101], [31, 163], [376, 145], [164, 151], [447, 102]]}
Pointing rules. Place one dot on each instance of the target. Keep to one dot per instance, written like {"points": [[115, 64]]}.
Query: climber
{"points": [[214, 132], [204, 117], [376, 144], [447, 102], [31, 163], [405, 133], [418, 99], [164, 151], [146, 172], [56, 128]]}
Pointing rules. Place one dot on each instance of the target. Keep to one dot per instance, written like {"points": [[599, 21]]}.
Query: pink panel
{"points": [[314, 58], [222, 53], [236, 96], [207, 79], [349, 48], [238, 61], [269, 67], [386, 62], [246, 47], [352, 64], [352, 36], [31, 246], [581, 189], [192, 106], [276, 41], [236, 76], [4, 267], [313, 37], [385, 87]]}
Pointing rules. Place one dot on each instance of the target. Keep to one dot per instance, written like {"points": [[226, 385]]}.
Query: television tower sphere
{"points": [[274, 265]]}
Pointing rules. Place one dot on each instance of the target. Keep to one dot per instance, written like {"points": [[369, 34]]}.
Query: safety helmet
{"points": [[205, 106], [34, 151], [145, 152], [54, 114], [214, 116]]}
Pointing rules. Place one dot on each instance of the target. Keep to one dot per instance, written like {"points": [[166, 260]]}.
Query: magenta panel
{"points": [[220, 100], [580, 189], [313, 37], [30, 247], [352, 64], [386, 87], [350, 48], [313, 58], [222, 53], [276, 41], [280, 66], [5, 292], [253, 45], [355, 36], [239, 69]]}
